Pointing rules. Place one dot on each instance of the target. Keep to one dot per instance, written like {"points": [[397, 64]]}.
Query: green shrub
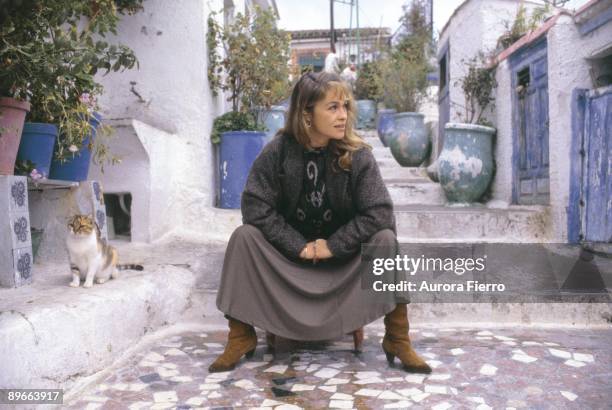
{"points": [[233, 121]]}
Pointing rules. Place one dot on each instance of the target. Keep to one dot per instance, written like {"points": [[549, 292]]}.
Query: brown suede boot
{"points": [[241, 340], [397, 343], [358, 336]]}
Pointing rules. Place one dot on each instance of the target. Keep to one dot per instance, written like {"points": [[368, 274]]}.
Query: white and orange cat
{"points": [[91, 257]]}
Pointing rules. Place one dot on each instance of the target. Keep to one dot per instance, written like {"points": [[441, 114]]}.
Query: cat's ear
{"points": [[70, 224]]}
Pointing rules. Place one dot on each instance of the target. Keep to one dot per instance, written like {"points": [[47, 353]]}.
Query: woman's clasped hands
{"points": [[316, 250]]}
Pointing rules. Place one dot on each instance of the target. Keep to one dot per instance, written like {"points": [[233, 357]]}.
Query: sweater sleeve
{"points": [[374, 208], [259, 205]]}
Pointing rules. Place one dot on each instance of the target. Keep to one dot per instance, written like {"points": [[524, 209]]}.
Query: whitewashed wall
{"points": [[568, 69], [170, 93], [474, 27], [502, 184]]}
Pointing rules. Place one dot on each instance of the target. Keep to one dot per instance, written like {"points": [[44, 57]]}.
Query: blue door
{"points": [[531, 179], [597, 176]]}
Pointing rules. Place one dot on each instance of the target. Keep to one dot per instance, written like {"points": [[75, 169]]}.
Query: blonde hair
{"points": [[310, 89]]}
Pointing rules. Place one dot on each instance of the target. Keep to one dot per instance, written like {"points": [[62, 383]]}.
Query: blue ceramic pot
{"points": [[409, 141], [273, 119], [76, 168], [237, 153], [465, 164], [384, 124], [37, 142], [366, 114]]}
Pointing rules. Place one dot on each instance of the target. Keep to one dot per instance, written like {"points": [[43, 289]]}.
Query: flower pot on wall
{"points": [[12, 117], [409, 141], [76, 168], [273, 119], [37, 143], [384, 124], [237, 153], [465, 164], [366, 114]]}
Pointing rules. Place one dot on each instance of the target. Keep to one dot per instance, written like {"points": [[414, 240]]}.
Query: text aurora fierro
{"points": [[424, 286]]}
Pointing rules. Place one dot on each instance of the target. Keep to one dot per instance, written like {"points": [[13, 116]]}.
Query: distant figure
{"points": [[349, 74], [331, 62]]}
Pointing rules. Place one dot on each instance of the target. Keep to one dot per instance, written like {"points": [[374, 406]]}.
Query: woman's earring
{"points": [[308, 124]]}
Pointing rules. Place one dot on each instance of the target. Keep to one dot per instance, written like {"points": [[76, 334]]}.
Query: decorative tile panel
{"points": [[23, 262], [15, 238], [90, 200], [20, 229], [13, 193]]}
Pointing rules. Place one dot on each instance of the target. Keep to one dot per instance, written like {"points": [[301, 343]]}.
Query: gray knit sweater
{"points": [[359, 197]]}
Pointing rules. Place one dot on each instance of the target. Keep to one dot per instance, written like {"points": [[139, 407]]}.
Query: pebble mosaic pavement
{"points": [[473, 369]]}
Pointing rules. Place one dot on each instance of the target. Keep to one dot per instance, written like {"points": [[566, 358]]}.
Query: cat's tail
{"points": [[129, 266]]}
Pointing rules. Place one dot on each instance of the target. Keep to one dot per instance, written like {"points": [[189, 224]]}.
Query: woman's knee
{"points": [[384, 236], [245, 231]]}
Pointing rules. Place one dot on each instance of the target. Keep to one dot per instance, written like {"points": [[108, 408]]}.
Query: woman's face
{"points": [[329, 119]]}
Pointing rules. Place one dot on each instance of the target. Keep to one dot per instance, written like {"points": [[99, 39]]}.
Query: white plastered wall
{"points": [[502, 184], [568, 69], [172, 104], [475, 27]]}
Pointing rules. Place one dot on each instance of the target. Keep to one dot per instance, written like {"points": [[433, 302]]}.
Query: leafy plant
{"points": [[253, 69], [233, 121], [523, 24], [24, 167], [50, 52], [368, 85], [404, 73], [477, 85]]}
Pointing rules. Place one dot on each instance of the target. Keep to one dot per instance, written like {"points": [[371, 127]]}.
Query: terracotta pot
{"points": [[12, 117]]}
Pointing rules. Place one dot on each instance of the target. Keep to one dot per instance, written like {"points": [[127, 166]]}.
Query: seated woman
{"points": [[313, 197]]}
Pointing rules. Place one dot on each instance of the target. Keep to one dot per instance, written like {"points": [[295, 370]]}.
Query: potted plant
{"points": [[465, 165], [404, 78], [368, 90], [253, 72], [61, 48], [14, 73], [522, 24]]}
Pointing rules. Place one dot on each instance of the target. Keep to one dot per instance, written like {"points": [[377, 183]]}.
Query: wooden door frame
{"points": [[518, 61], [576, 209]]}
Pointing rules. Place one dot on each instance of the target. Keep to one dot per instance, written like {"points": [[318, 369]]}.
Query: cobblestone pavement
{"points": [[482, 369]]}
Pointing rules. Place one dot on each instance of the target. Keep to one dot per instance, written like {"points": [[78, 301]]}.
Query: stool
{"points": [[358, 334]]}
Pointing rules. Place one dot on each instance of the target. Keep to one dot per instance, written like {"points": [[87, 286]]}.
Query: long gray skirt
{"points": [[261, 287]]}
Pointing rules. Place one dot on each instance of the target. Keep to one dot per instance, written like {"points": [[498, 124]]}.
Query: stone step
{"points": [[439, 223], [387, 163], [404, 173], [381, 153], [415, 191], [374, 142], [421, 223], [51, 333]]}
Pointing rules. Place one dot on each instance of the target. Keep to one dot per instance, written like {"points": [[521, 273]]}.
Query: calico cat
{"points": [[90, 256]]}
